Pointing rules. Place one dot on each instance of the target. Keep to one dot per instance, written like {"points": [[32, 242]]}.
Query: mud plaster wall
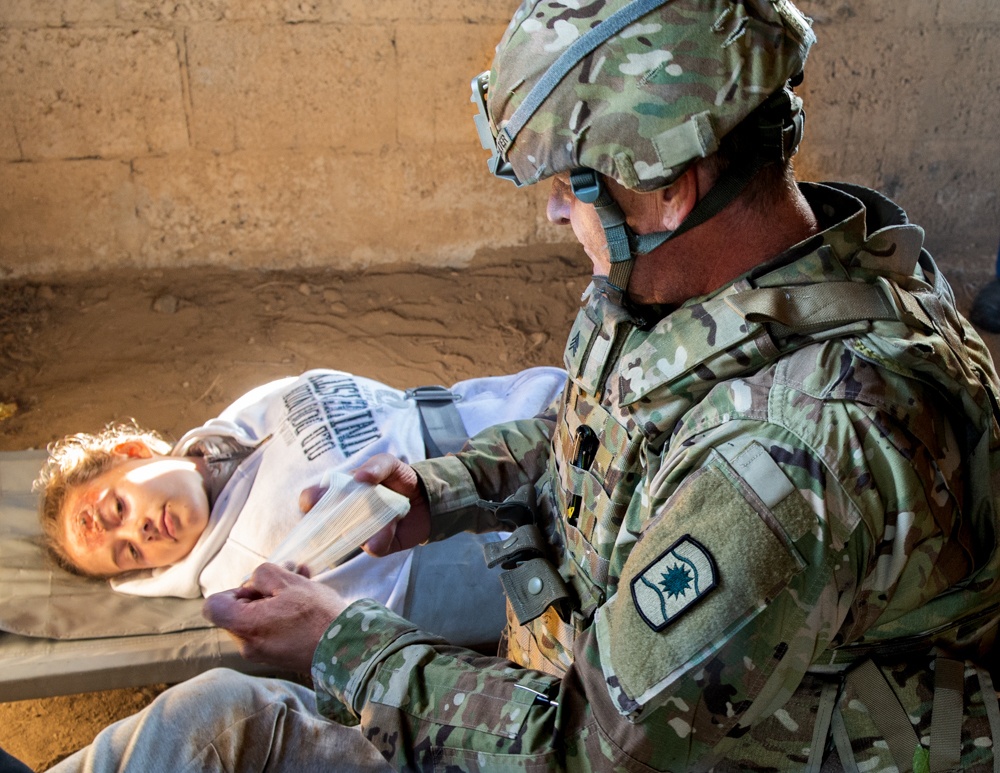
{"points": [[338, 132]]}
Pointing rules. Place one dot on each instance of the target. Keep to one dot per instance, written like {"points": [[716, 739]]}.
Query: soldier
{"points": [[760, 532]]}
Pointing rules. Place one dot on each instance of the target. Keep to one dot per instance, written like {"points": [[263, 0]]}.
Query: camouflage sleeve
{"points": [[376, 668], [492, 466]]}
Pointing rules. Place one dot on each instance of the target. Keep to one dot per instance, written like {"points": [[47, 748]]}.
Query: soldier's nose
{"points": [[557, 207]]}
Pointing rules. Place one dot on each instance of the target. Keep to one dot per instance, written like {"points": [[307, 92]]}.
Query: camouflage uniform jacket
{"points": [[772, 489]]}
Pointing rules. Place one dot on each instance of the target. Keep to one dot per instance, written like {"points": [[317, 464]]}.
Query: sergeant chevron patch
{"points": [[681, 576]]}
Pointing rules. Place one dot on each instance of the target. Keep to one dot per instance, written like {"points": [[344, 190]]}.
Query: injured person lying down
{"points": [[198, 517]]}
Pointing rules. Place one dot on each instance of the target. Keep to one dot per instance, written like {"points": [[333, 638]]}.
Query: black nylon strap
{"points": [[440, 422]]}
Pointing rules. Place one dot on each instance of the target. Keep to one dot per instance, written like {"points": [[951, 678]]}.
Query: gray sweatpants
{"points": [[225, 721]]}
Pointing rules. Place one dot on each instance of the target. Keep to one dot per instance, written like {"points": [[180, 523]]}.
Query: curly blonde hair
{"points": [[74, 461]]}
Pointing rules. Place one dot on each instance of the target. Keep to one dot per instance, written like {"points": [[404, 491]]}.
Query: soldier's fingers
{"points": [[268, 579], [381, 542], [375, 469], [223, 609], [392, 473], [309, 497]]}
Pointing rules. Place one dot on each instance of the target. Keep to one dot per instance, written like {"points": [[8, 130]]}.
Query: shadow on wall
{"points": [[985, 310]]}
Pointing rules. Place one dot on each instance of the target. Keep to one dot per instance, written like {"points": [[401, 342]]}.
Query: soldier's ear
{"points": [[677, 200]]}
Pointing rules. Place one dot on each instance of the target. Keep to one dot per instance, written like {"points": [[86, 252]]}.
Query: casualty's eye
{"points": [[132, 551], [119, 506]]}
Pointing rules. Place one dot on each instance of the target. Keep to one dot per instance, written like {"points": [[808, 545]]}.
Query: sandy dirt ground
{"points": [[172, 348]]}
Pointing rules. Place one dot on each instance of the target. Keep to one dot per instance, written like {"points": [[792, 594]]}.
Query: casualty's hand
{"points": [[277, 616], [414, 527]]}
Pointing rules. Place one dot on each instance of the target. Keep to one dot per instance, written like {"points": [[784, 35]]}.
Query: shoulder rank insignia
{"points": [[681, 576], [574, 343]]}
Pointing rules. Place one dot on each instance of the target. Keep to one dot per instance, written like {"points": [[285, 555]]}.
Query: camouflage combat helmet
{"points": [[637, 91]]}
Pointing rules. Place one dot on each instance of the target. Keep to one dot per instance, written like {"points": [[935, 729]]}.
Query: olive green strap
{"points": [[529, 581], [806, 308], [523, 543], [869, 684], [989, 694], [946, 716], [532, 587]]}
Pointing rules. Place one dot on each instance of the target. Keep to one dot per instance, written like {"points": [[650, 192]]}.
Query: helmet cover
{"points": [[654, 97]]}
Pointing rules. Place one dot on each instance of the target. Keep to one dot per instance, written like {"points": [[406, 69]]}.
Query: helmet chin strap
{"points": [[778, 123], [624, 244]]}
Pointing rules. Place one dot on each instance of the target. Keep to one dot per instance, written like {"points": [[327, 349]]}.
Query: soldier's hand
{"points": [[277, 616], [413, 528], [308, 497]]}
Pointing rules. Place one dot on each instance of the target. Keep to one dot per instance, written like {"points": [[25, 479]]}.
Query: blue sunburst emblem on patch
{"points": [[677, 581], [671, 583]]}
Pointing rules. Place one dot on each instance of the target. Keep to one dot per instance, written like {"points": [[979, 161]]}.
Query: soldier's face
{"points": [[642, 213], [563, 208]]}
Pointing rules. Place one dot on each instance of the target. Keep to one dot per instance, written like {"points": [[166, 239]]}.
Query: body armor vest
{"points": [[610, 436]]}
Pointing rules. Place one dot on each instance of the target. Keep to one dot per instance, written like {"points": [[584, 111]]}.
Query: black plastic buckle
{"points": [[585, 184], [432, 394]]}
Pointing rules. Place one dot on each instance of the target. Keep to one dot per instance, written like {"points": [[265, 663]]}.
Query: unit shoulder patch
{"points": [[673, 582]]}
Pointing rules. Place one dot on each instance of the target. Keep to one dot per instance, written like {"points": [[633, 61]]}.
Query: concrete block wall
{"points": [[904, 96], [338, 132]]}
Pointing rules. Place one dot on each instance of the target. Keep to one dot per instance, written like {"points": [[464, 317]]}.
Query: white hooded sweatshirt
{"points": [[280, 438]]}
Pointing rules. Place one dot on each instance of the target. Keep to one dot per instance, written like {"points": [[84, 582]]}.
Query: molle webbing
{"points": [[530, 581]]}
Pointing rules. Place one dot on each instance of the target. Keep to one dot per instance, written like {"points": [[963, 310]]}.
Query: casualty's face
{"points": [[143, 513]]}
